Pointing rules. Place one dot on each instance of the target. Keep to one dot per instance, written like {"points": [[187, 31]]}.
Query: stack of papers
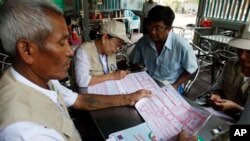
{"points": [[166, 112], [131, 83]]}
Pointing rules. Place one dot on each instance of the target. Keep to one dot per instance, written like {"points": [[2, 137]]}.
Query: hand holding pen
{"points": [[120, 74]]}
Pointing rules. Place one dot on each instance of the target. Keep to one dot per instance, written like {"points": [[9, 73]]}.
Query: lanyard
{"points": [[104, 61]]}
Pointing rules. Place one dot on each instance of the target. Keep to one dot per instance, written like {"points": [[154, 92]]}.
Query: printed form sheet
{"points": [[166, 113], [131, 83]]}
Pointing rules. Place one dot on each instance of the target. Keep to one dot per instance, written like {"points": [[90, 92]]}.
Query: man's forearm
{"points": [[93, 102], [183, 78]]}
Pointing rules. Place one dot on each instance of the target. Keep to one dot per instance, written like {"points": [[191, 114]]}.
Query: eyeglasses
{"points": [[118, 42], [156, 27]]}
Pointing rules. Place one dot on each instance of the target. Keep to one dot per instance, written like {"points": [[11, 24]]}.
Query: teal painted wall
{"points": [[121, 4], [59, 3]]}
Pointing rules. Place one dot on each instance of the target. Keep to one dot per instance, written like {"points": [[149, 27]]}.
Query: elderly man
{"points": [[233, 86], [33, 104]]}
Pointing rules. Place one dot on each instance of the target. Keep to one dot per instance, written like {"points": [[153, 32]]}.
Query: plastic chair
{"points": [[133, 21]]}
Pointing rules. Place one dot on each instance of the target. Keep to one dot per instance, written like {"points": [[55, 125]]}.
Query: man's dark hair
{"points": [[161, 13]]}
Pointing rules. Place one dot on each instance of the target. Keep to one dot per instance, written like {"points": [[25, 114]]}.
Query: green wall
{"points": [[1, 2], [60, 3]]}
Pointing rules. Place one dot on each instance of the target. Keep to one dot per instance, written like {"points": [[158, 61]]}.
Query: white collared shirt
{"points": [[30, 131]]}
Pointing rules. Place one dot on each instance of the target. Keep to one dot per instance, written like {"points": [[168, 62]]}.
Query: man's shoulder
{"points": [[178, 40], [145, 39], [11, 98], [12, 88], [9, 89], [182, 40], [176, 36], [7, 82]]}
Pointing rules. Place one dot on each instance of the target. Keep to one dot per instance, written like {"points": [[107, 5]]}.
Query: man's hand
{"points": [[134, 97], [117, 75], [226, 105], [214, 98], [184, 136]]}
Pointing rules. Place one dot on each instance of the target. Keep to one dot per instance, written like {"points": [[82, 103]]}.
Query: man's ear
{"points": [[25, 50]]}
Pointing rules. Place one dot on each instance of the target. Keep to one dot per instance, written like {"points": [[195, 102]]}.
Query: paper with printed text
{"points": [[166, 112]]}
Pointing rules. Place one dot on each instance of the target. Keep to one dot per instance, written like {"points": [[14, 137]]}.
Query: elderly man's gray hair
{"points": [[25, 19]]}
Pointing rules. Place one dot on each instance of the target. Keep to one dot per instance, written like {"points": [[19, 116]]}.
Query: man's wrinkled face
{"points": [[53, 60], [158, 31]]}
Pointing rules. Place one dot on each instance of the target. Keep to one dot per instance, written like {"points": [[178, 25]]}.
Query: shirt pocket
{"points": [[169, 68]]}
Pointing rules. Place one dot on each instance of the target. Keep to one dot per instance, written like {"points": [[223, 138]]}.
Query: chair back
{"points": [[189, 83], [128, 13], [132, 21], [4, 62]]}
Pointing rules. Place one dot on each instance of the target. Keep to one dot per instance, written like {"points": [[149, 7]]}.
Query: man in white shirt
{"points": [[145, 9], [33, 104]]}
